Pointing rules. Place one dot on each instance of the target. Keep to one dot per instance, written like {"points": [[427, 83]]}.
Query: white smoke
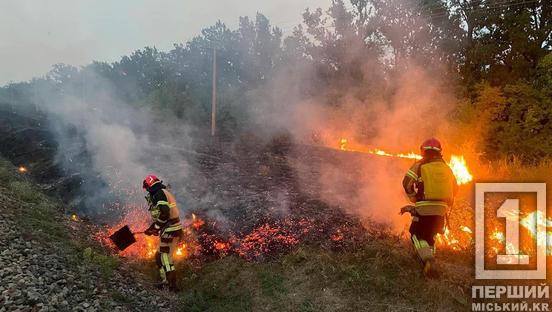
{"points": [[113, 145]]}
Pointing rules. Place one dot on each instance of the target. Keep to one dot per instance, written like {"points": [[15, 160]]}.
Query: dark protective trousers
{"points": [[423, 230], [163, 257]]}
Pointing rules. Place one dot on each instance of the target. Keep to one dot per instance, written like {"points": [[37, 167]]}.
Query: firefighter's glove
{"points": [[152, 231]]}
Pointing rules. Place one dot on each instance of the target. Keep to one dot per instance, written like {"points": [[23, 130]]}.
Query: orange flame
{"points": [[497, 238], [145, 246], [457, 163], [466, 229], [446, 239], [181, 251], [343, 144], [460, 169], [534, 219]]}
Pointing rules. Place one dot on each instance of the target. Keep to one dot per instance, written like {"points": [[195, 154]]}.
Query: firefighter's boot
{"points": [[171, 281], [426, 254], [431, 268], [164, 283]]}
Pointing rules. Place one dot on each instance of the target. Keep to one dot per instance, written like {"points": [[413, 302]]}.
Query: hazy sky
{"points": [[37, 33]]}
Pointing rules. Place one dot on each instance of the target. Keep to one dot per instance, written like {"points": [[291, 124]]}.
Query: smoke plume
{"points": [[111, 146], [394, 112]]}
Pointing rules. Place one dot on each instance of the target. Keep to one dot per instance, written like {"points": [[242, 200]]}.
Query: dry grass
{"points": [[382, 275], [512, 170]]}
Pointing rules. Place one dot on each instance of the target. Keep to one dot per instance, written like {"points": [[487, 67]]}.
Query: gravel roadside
{"points": [[44, 276]]}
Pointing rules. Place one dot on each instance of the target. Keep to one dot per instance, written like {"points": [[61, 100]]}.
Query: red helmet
{"points": [[150, 181], [431, 144]]}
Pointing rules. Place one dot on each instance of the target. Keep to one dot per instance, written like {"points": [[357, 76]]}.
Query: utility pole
{"points": [[214, 95], [83, 86]]}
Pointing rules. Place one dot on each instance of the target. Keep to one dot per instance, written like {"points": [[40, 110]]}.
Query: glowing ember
{"points": [[337, 236], [265, 239], [197, 222], [221, 246], [22, 169]]}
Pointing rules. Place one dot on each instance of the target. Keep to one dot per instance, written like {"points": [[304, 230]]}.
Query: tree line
{"points": [[496, 55]]}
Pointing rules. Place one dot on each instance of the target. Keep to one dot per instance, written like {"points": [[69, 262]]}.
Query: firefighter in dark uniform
{"points": [[431, 185], [166, 224]]}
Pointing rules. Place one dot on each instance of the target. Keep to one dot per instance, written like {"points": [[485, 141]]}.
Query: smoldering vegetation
{"points": [[381, 73]]}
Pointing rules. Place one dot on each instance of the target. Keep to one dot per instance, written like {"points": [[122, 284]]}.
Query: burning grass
{"points": [[203, 239], [146, 246], [514, 170], [458, 233], [266, 238], [457, 162]]}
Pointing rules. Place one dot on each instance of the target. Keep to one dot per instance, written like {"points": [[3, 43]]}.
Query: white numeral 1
{"points": [[510, 211]]}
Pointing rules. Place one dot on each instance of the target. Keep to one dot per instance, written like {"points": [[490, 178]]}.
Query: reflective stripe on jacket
{"points": [[431, 208]]}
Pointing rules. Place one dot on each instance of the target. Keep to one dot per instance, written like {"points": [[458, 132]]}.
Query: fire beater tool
{"points": [[123, 237]]}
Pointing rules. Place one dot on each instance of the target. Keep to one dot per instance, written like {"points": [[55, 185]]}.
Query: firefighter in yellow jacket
{"points": [[166, 224], [431, 185]]}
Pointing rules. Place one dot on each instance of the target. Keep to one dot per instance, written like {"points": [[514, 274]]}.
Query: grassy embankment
{"points": [[40, 217]]}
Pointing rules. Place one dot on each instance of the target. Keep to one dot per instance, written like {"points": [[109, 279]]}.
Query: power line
{"points": [[483, 9], [441, 5], [498, 4]]}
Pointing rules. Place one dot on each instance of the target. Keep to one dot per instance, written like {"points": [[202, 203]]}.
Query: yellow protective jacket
{"points": [[164, 211], [413, 186]]}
